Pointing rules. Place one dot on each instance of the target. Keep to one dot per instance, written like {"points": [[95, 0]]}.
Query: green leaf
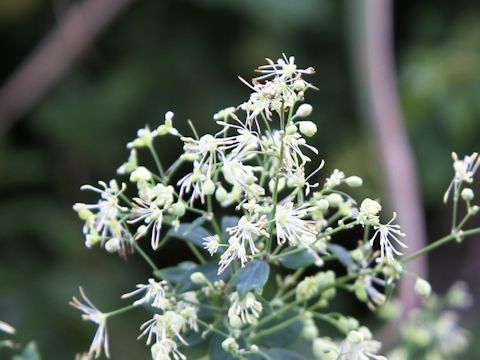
{"points": [[215, 350], [175, 274], [342, 254], [295, 261], [209, 269], [278, 353], [30, 352], [228, 221], [284, 336], [252, 277], [192, 232]]}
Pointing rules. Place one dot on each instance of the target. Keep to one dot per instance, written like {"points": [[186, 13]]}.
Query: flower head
{"points": [[154, 293], [247, 309], [389, 237], [292, 227], [91, 313]]}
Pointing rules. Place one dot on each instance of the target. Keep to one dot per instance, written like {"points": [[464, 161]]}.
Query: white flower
{"points": [[152, 216], [464, 171], [194, 181], [163, 326], [203, 150], [249, 229], [285, 69], [211, 244], [154, 294], [237, 173], [374, 296], [388, 235], [359, 345], [6, 328], [164, 349], [247, 309], [234, 251], [91, 313], [293, 157], [335, 179], [292, 227], [99, 217]]}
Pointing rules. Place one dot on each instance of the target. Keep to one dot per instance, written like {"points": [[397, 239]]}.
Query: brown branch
{"points": [[372, 43], [54, 56]]}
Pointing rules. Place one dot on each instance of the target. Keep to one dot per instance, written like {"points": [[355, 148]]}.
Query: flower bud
{"points": [[354, 181], [467, 194], [322, 205], [355, 337], [230, 345], [221, 194], [291, 129], [308, 128], [178, 209], [254, 348], [208, 187], [474, 209], [370, 207], [198, 278], [334, 199], [423, 288], [112, 245], [140, 174], [281, 184], [299, 84], [304, 110]]}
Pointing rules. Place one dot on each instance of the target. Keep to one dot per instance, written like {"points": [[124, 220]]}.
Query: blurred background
{"points": [[68, 110]]}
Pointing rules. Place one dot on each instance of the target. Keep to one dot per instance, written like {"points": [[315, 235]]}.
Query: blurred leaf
{"points": [[295, 261], [215, 349], [286, 335], [228, 221], [277, 353], [176, 274], [192, 232], [252, 277], [29, 353], [342, 254]]}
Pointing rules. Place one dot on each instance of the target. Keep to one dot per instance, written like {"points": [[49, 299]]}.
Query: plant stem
{"points": [[197, 253], [438, 243], [145, 256], [277, 327], [157, 160], [121, 311], [211, 327]]}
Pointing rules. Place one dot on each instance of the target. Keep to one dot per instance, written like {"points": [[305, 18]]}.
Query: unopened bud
{"points": [[423, 288], [308, 128], [304, 110], [198, 278], [467, 194], [354, 181], [208, 187]]}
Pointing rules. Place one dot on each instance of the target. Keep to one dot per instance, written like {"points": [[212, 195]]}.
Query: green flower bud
{"points": [[354, 181], [221, 194], [370, 207], [467, 194], [291, 129], [334, 199], [355, 337], [307, 128], [304, 110], [209, 187], [423, 288], [178, 209], [112, 245], [198, 278], [230, 345], [322, 205], [140, 174]]}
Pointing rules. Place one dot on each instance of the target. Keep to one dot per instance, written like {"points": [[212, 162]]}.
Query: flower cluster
{"points": [[261, 169]]}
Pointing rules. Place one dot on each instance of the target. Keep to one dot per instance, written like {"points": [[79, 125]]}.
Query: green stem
{"points": [[212, 328], [276, 328], [145, 256], [121, 311], [157, 160], [438, 243], [197, 253], [213, 221]]}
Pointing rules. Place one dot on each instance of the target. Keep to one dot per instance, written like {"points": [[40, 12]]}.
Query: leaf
{"points": [[228, 221], [30, 352], [295, 261], [278, 353], [209, 269], [284, 336], [252, 277], [192, 232], [215, 350], [175, 274], [342, 254]]}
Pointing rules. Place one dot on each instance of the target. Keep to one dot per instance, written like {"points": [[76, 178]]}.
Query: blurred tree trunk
{"points": [[371, 25], [54, 56]]}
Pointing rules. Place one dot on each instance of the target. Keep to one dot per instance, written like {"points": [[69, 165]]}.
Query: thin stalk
{"points": [[277, 327], [197, 253], [212, 328], [436, 244], [145, 257], [156, 159], [121, 311]]}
